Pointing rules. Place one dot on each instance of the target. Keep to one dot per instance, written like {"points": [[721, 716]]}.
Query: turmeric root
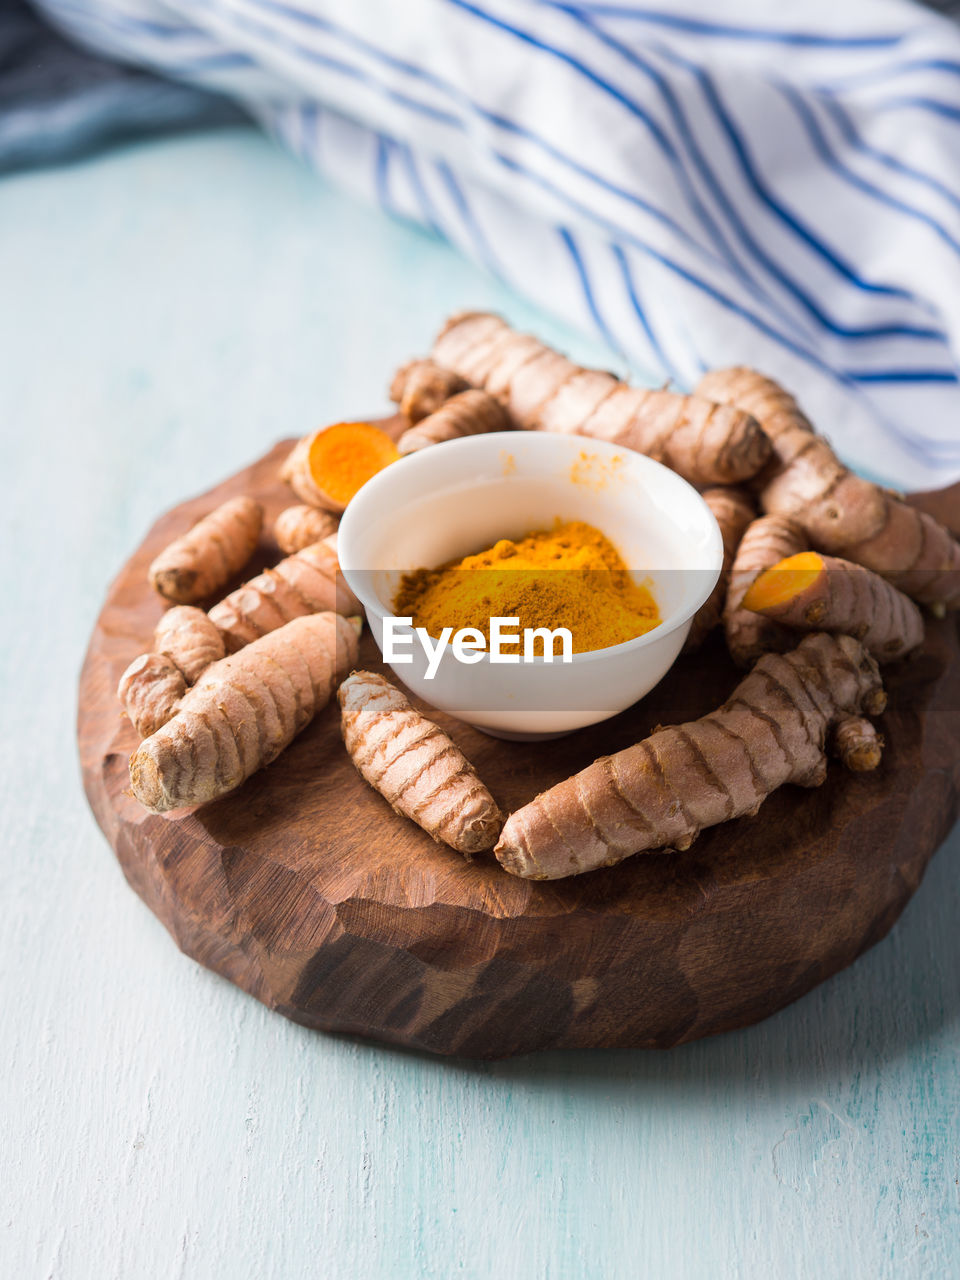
{"points": [[242, 712], [203, 559], [734, 511], [185, 642], [415, 766], [188, 637], [297, 527], [663, 791], [150, 690], [841, 513], [706, 443], [420, 387], [821, 593], [468, 413], [307, 582], [857, 744], [327, 467], [767, 541]]}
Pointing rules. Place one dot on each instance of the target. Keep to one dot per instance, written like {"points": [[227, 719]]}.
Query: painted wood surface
{"points": [[166, 313]]}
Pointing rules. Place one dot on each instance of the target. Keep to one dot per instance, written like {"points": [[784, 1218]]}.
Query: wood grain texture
{"points": [[305, 889]]}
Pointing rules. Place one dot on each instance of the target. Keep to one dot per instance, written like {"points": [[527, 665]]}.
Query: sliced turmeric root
{"points": [[782, 583], [767, 541], [327, 467], [840, 512], [821, 593]]}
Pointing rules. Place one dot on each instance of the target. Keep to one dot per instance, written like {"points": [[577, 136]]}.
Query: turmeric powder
{"points": [[569, 576]]}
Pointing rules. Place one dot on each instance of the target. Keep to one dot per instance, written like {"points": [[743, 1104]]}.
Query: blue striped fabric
{"points": [[59, 102], [696, 184]]}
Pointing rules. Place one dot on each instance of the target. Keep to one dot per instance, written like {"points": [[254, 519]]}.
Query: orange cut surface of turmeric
{"points": [[344, 457], [777, 585]]}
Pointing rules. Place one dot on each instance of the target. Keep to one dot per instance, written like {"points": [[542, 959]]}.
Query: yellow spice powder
{"points": [[569, 576]]}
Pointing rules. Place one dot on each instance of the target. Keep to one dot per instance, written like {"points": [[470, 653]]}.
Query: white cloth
{"points": [[699, 184]]}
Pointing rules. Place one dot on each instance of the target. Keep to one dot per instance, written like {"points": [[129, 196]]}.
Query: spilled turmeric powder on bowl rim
{"points": [[568, 576]]}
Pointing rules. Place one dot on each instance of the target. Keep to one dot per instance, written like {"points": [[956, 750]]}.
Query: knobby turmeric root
{"points": [[306, 582], [841, 513], [821, 593], [243, 711], [185, 643], [468, 413], [665, 790], [190, 639], [203, 559], [327, 467], [298, 527], [415, 766], [187, 640], [706, 443], [767, 541], [857, 744], [420, 387], [734, 511], [150, 689]]}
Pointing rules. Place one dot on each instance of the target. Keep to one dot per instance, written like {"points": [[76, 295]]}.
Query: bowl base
{"points": [[509, 735]]}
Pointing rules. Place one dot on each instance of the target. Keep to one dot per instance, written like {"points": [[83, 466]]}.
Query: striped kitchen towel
{"points": [[697, 183], [58, 102]]}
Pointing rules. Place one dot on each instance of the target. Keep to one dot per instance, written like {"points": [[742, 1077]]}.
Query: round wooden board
{"points": [[305, 889]]}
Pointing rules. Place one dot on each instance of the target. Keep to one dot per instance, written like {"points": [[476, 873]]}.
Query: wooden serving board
{"points": [[305, 889]]}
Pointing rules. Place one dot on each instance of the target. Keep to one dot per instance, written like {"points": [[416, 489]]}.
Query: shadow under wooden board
{"points": [[308, 891]]}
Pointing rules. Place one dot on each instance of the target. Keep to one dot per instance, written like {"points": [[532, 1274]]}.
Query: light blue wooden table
{"points": [[165, 314]]}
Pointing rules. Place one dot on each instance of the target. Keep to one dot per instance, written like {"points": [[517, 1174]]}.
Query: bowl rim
{"points": [[493, 441]]}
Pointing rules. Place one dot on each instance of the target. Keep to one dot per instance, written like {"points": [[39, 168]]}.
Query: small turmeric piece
{"points": [[858, 745], [208, 555], [420, 387], [469, 413], [706, 443], [766, 541], [841, 513], [187, 640], [415, 766], [327, 467], [733, 511], [190, 639], [150, 690], [307, 582], [821, 593], [185, 643], [569, 576], [297, 527], [242, 712], [662, 792]]}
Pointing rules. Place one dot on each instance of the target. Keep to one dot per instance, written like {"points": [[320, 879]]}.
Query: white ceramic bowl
{"points": [[453, 499]]}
